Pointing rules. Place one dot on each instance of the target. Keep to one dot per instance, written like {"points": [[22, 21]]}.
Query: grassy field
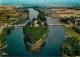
{"points": [[10, 13], [62, 12], [67, 12], [70, 32]]}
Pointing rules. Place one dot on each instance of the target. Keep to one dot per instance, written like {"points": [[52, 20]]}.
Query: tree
{"points": [[70, 47]]}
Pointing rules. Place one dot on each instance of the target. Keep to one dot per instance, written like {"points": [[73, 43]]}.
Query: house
{"points": [[36, 24]]}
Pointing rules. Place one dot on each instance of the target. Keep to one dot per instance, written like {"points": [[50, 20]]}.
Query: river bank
{"points": [[12, 14], [68, 47], [3, 37], [7, 27], [71, 35]]}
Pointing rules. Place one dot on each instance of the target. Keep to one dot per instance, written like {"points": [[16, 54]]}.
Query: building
{"points": [[36, 24]]}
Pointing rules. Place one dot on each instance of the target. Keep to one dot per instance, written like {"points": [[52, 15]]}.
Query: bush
{"points": [[64, 20]]}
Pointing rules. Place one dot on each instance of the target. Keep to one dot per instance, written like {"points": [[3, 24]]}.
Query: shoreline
{"points": [[67, 32], [6, 31], [6, 26]]}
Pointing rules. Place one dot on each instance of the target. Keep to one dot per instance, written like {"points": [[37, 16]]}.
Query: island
{"points": [[36, 32]]}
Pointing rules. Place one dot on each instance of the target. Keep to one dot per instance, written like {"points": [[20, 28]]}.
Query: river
{"points": [[56, 36]]}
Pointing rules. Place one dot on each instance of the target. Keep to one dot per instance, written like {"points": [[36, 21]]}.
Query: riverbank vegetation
{"points": [[9, 15], [71, 47], [4, 35]]}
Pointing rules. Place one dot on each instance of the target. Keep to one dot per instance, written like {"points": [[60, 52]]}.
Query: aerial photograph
{"points": [[39, 28]]}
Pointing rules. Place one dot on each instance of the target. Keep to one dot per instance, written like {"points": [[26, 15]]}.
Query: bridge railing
{"points": [[55, 25]]}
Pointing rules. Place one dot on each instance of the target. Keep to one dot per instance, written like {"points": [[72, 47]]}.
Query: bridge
{"points": [[18, 25], [56, 26], [21, 25], [49, 25]]}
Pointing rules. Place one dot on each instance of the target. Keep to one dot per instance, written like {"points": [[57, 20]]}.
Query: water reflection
{"points": [[29, 47]]}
